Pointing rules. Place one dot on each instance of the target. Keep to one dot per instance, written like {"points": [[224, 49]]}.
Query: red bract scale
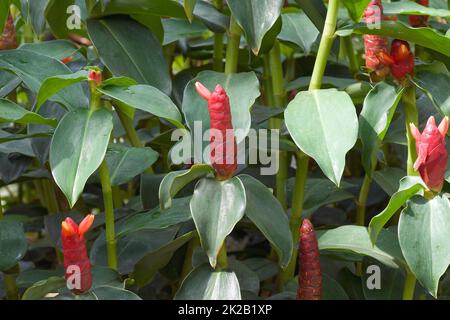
{"points": [[8, 38], [222, 140], [431, 153], [75, 252], [66, 60], [403, 59], [95, 75], [419, 20], [375, 45], [309, 274]]}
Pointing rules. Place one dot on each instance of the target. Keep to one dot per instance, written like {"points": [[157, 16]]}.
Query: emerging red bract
{"points": [[222, 140], [431, 153], [8, 38], [75, 252], [419, 20], [403, 59], [309, 274]]}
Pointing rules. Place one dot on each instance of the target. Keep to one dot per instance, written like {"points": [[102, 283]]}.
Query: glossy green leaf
{"points": [[424, 230], [298, 28], [4, 11], [147, 267], [356, 8], [255, 17], [425, 37], [189, 6], [177, 29], [57, 49], [13, 244], [174, 181], [413, 8], [378, 109], [216, 207], [215, 20], [436, 85], [168, 8], [129, 49], [205, 283], [268, 215], [41, 288], [248, 279], [324, 125], [36, 14], [315, 10], [11, 112], [124, 163], [53, 85], [113, 293], [78, 148], [146, 98], [409, 186], [33, 68], [242, 89], [355, 239], [389, 179]]}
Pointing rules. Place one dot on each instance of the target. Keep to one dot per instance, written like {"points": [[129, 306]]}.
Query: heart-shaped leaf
{"points": [[423, 231], [78, 148], [298, 28], [436, 85], [324, 125], [216, 207]]}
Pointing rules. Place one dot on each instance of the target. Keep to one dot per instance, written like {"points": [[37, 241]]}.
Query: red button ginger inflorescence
{"points": [[8, 38], [95, 75], [309, 274], [403, 59], [222, 140], [431, 153], [419, 20], [375, 46], [75, 253]]}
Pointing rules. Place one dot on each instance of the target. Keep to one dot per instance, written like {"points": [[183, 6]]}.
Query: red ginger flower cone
{"points": [[417, 21], [8, 38], [75, 253], [403, 59], [222, 140], [431, 153], [375, 46], [309, 274]]}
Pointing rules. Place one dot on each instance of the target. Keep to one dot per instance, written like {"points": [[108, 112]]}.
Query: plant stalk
{"points": [[362, 199], [410, 285], [187, 265], [352, 58], [218, 43], [222, 259], [411, 116], [232, 54]]}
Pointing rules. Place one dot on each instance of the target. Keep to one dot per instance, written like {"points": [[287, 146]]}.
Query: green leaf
{"points": [[436, 85], [37, 14], [242, 89], [255, 17], [11, 112], [129, 49], [189, 6], [216, 207], [146, 98], [268, 215], [78, 148], [124, 163], [178, 29], [298, 29], [413, 8], [57, 49], [41, 288], [53, 85], [391, 282], [248, 279], [156, 218], [315, 10], [378, 109], [4, 11], [332, 290], [409, 186], [355, 239], [33, 68], [324, 125], [356, 8], [215, 20], [425, 37], [174, 181], [113, 293], [424, 230], [154, 7], [147, 267], [13, 244], [389, 179], [205, 283]]}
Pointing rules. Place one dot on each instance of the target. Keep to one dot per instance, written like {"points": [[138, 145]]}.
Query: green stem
{"points": [[352, 58], [267, 82], [187, 265], [111, 249], [296, 215], [218, 43], [234, 39], [362, 199], [410, 285], [222, 259], [117, 197], [411, 116], [326, 42]]}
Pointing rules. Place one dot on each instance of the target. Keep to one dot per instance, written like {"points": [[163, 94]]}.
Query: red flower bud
{"points": [[66, 60], [75, 252], [309, 274], [222, 140], [375, 46], [419, 20], [96, 76], [431, 153], [8, 38], [403, 59]]}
